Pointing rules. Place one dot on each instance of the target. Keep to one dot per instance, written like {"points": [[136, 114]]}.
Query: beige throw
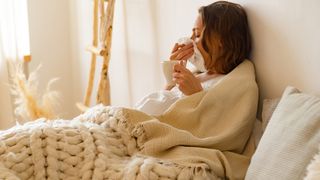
{"points": [[199, 137]]}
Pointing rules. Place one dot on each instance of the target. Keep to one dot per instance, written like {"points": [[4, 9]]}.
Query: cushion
{"points": [[268, 107], [290, 139], [314, 168]]}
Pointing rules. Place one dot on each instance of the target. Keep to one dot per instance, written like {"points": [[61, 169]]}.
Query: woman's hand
{"points": [[182, 52], [186, 81]]}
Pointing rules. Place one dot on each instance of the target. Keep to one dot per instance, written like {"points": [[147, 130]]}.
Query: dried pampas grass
{"points": [[29, 104]]}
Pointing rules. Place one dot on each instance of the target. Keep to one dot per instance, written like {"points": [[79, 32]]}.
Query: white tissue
{"points": [[196, 59], [185, 41]]}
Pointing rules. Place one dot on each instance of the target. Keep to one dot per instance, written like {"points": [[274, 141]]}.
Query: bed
{"points": [[283, 152]]}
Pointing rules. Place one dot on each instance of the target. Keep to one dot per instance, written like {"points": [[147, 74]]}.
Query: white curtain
{"points": [[14, 44], [134, 56]]}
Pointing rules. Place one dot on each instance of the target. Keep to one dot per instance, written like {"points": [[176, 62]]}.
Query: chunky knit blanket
{"points": [[199, 137]]}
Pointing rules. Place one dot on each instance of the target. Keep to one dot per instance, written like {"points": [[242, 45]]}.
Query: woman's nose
{"points": [[193, 36]]}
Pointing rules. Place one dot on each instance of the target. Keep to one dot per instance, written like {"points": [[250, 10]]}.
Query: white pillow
{"points": [[290, 139]]}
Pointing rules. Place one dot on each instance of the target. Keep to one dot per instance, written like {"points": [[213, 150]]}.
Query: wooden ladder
{"points": [[100, 48]]}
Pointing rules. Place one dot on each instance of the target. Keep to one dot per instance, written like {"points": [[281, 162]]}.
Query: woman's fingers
{"points": [[183, 63], [181, 52], [177, 75], [179, 68], [174, 56], [176, 47], [186, 47], [181, 74], [174, 52], [187, 55]]}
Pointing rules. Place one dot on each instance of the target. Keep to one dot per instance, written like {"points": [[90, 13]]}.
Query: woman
{"points": [[220, 41], [207, 117]]}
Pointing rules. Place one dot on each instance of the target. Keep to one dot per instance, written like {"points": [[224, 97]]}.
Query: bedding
{"points": [[201, 136], [290, 140]]}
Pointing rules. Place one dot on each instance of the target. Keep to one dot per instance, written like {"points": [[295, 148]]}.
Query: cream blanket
{"points": [[199, 137]]}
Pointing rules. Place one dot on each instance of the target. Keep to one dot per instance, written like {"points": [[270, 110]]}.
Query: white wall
{"points": [[286, 44]]}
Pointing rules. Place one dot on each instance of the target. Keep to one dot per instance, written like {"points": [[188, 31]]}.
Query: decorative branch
{"points": [[29, 105]]}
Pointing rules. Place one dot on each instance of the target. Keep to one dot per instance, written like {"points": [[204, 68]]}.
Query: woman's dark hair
{"points": [[227, 21]]}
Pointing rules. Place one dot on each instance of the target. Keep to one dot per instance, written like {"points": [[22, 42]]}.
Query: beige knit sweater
{"points": [[199, 137]]}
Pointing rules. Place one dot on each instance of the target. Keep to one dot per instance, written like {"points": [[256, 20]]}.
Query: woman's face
{"points": [[197, 36]]}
